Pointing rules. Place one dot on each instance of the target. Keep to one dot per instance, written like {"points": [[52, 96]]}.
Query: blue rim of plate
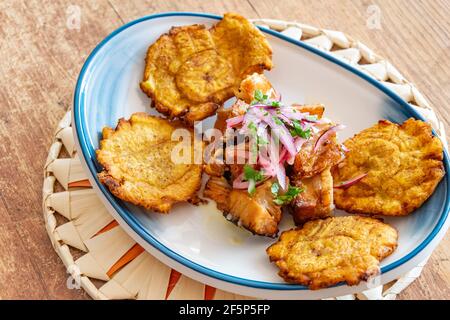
{"points": [[89, 156]]}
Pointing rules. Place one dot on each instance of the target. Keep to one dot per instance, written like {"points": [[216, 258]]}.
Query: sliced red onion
{"points": [[269, 171], [283, 155], [263, 159], [272, 162], [291, 114], [234, 121], [310, 120], [285, 137], [238, 155], [298, 142], [238, 183], [348, 183], [274, 152], [284, 118], [326, 134], [261, 131], [248, 118], [279, 129], [281, 176], [290, 161], [344, 148], [323, 120]]}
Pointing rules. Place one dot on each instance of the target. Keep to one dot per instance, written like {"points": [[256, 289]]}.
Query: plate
{"points": [[198, 241]]}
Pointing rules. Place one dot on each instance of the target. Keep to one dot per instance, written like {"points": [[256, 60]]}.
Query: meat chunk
{"points": [[316, 199], [256, 213]]}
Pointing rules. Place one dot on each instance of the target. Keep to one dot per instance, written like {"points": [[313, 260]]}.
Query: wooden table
{"points": [[42, 52]]}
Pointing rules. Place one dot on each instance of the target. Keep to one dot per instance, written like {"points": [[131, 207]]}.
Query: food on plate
{"points": [[311, 170], [138, 167], [320, 152], [326, 252], [263, 137], [251, 84], [316, 199], [191, 70], [390, 169], [257, 212]]}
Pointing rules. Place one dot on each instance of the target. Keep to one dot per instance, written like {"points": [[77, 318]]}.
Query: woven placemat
{"points": [[103, 260]]}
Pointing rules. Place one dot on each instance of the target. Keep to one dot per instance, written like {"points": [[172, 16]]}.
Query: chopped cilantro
{"points": [[253, 146], [275, 187], [298, 130], [252, 127], [287, 197], [275, 104], [258, 96], [262, 141], [252, 174], [253, 130]]}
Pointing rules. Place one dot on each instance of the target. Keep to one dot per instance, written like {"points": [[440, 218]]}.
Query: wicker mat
{"points": [[103, 260]]}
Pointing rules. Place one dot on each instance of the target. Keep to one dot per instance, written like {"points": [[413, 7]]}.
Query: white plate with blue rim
{"points": [[198, 241]]}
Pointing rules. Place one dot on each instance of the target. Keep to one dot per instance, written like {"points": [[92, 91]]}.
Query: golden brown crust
{"points": [[309, 162], [403, 163], [326, 252], [256, 213], [250, 84], [191, 70], [138, 167], [316, 199]]}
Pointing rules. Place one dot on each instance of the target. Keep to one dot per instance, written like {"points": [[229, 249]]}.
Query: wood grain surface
{"points": [[41, 55]]}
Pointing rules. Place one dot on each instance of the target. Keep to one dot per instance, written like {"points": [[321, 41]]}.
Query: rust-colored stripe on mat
{"points": [[109, 226], [129, 256], [82, 183], [173, 279], [210, 292]]}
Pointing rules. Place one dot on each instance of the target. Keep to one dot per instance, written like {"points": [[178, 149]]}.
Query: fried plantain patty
{"points": [[138, 166], [403, 164], [326, 252], [191, 71]]}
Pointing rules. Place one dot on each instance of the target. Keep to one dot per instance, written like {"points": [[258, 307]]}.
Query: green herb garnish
{"points": [[252, 127], [275, 104], [275, 188], [262, 141], [252, 176], [258, 95], [287, 197], [298, 130]]}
